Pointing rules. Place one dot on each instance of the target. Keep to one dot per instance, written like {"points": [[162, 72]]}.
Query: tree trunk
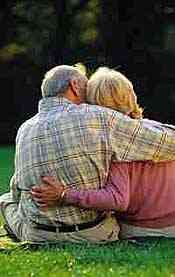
{"points": [[108, 22], [7, 23], [61, 43]]}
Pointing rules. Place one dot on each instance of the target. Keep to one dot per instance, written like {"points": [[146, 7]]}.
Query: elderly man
{"points": [[75, 143]]}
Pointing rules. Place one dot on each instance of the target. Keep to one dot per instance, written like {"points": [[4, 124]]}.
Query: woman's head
{"points": [[110, 88]]}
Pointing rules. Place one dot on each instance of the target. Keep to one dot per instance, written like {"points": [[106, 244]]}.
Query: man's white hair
{"points": [[56, 80]]}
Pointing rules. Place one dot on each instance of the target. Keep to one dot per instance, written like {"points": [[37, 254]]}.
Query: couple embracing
{"points": [[108, 173]]}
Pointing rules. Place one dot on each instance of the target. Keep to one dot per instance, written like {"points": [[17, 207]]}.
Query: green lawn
{"points": [[119, 259], [6, 166]]}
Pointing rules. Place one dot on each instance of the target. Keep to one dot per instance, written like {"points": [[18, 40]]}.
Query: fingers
{"points": [[42, 197], [37, 189], [42, 204], [40, 189], [38, 193], [49, 180], [38, 198], [44, 207], [48, 193]]}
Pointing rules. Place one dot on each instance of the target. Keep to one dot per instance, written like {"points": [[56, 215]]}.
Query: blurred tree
{"points": [[66, 12], [45, 28], [135, 36], [6, 22], [108, 22], [34, 37]]}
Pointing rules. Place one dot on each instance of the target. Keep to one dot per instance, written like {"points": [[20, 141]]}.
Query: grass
{"points": [[154, 259], [6, 166]]}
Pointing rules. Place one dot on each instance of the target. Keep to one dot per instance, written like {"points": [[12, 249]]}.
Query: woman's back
{"points": [[152, 193]]}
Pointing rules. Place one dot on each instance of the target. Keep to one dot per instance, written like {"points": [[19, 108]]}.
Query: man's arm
{"points": [[114, 196], [144, 139]]}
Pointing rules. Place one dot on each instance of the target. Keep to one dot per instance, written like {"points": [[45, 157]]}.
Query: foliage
{"points": [[36, 22], [9, 51], [40, 27], [135, 36]]}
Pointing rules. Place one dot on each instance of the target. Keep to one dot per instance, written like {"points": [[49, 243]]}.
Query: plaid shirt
{"points": [[76, 143]]}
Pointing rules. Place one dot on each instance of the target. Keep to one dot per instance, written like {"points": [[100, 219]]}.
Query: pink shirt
{"points": [[142, 192]]}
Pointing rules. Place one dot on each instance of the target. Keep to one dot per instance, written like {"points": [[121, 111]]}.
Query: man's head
{"points": [[110, 88], [66, 81]]}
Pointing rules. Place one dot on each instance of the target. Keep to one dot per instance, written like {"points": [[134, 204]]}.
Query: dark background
{"points": [[135, 36]]}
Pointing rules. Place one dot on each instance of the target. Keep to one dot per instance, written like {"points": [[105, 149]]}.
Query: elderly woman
{"points": [[140, 193]]}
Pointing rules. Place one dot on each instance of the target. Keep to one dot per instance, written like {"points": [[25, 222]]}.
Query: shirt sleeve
{"points": [[15, 193], [134, 140], [114, 196]]}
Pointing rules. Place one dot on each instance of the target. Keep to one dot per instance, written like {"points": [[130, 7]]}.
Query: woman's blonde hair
{"points": [[110, 88]]}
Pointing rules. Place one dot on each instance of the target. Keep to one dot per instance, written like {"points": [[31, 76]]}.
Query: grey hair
{"points": [[56, 80]]}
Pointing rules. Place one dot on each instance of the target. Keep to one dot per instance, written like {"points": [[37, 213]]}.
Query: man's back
{"points": [[66, 142]]}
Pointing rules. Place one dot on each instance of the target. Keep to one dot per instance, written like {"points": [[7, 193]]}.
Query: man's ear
{"points": [[74, 87]]}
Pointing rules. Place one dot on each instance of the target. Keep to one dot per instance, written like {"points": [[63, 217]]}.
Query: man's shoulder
{"points": [[26, 124], [88, 112], [95, 109]]}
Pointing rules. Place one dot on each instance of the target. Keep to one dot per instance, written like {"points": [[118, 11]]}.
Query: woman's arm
{"points": [[114, 196]]}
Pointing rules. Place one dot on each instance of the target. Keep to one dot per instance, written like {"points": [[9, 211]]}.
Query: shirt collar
{"points": [[47, 103]]}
